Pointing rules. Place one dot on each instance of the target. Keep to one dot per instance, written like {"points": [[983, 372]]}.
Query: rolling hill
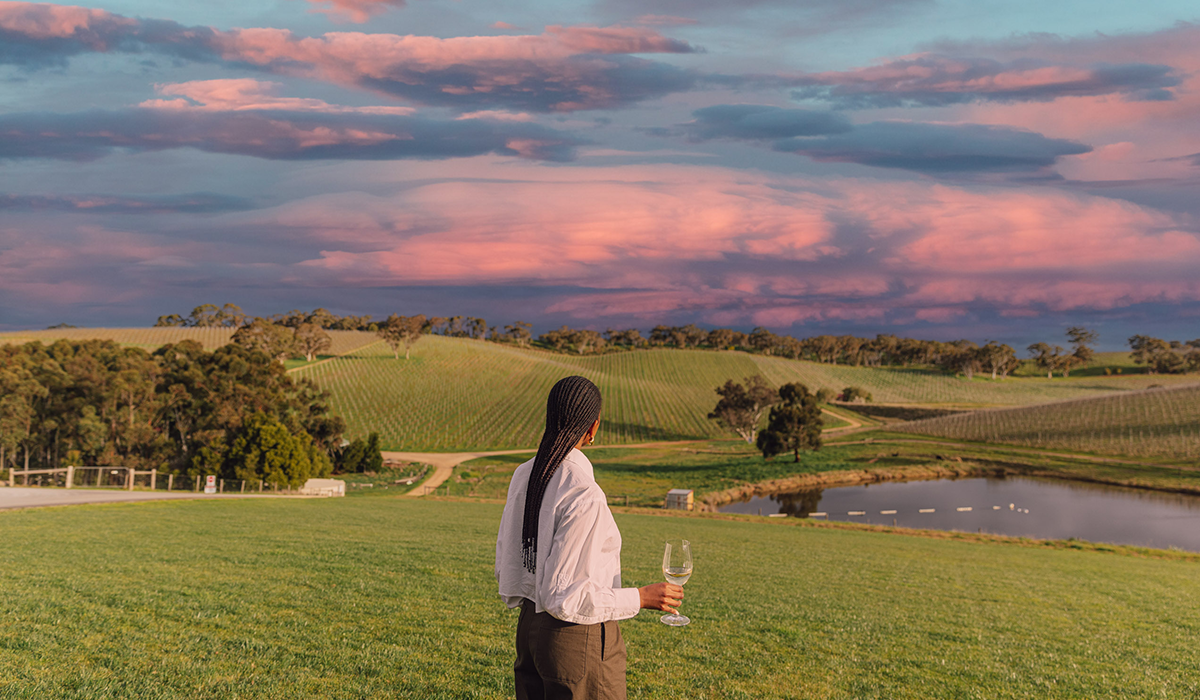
{"points": [[458, 394], [1152, 423]]}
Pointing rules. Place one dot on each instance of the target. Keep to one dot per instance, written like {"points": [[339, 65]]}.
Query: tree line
{"points": [[301, 334], [233, 411]]}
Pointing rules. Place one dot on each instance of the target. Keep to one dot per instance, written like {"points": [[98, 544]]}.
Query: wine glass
{"points": [[677, 568]]}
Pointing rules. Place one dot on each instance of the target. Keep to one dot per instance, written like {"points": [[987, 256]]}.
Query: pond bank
{"points": [[956, 469]]}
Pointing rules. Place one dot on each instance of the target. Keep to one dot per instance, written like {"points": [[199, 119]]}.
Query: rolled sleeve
{"points": [[583, 540]]}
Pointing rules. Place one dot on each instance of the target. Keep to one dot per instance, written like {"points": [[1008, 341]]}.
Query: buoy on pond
{"points": [[857, 512], [887, 512], [995, 507], [1010, 506], [965, 509], [925, 510]]}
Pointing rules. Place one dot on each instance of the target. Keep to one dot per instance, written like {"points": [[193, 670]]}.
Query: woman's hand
{"points": [[661, 596]]}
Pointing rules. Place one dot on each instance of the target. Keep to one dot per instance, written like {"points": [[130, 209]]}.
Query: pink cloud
{"points": [[934, 79], [355, 10], [245, 94], [719, 242], [44, 21], [562, 69]]}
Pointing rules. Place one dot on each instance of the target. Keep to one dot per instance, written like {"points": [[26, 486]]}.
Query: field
{"points": [[152, 338], [457, 394], [1154, 423], [387, 598], [641, 476]]}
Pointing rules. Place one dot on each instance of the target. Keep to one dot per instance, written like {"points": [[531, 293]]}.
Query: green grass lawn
{"points": [[394, 598]]}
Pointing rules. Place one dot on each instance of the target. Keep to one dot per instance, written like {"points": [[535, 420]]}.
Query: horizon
{"points": [[935, 170]]}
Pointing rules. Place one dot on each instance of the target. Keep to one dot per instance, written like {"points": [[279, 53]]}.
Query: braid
{"points": [[572, 408]]}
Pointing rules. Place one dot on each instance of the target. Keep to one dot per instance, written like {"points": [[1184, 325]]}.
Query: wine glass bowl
{"points": [[677, 569]]}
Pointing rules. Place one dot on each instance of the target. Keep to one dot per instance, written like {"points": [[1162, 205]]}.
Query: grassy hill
{"points": [[384, 598], [457, 394], [152, 338], [1162, 423]]}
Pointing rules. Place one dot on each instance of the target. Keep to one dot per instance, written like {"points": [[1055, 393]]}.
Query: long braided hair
{"points": [[572, 408]]}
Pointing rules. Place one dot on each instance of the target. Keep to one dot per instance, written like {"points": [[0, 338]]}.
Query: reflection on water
{"points": [[1056, 509]]}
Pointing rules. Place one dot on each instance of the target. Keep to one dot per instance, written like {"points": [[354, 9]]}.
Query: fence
{"points": [[126, 478]]}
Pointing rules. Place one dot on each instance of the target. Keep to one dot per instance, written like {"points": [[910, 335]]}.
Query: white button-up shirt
{"points": [[578, 573]]}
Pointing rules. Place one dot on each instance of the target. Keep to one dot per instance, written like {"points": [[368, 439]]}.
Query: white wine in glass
{"points": [[677, 568]]}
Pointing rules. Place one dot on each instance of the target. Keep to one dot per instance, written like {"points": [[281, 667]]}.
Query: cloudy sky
{"points": [[932, 168]]}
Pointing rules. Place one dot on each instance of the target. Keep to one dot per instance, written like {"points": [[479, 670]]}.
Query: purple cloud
{"points": [[280, 135], [561, 70], [935, 80], [197, 203], [920, 147]]}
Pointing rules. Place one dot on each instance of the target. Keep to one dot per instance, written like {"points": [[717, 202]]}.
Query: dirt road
{"points": [[443, 463]]}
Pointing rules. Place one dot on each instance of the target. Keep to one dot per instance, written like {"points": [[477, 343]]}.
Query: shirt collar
{"points": [[583, 464]]}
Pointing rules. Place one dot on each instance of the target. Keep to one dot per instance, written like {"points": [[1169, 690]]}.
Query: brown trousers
{"points": [[559, 660]]}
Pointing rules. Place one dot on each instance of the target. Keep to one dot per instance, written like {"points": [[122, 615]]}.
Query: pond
{"points": [[1016, 506]]}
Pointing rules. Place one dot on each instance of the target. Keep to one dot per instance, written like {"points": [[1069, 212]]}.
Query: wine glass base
{"points": [[674, 620]]}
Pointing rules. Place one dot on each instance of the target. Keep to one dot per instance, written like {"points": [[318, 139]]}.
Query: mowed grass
{"points": [[394, 598], [459, 394], [1153, 423]]}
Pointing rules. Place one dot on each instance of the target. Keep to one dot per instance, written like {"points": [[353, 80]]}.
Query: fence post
{"points": [[221, 486], [170, 481], [70, 474], [196, 484], [154, 479], [260, 485], [130, 476], [243, 486]]}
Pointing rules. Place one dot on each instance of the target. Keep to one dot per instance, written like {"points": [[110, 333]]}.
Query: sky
{"points": [[929, 168]]}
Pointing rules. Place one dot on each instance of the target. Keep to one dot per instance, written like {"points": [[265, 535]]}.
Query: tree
{"points": [[741, 407], [852, 394], [519, 333], [794, 425], [999, 358], [630, 337], [274, 341], [310, 340], [961, 356], [1155, 352], [1047, 358], [1082, 340], [170, 320], [265, 449], [720, 339], [402, 330], [361, 456], [558, 340]]}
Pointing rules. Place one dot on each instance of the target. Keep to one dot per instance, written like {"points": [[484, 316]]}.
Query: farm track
{"points": [[443, 463]]}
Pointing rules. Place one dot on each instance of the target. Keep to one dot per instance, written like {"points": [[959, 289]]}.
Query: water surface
{"points": [[1056, 509]]}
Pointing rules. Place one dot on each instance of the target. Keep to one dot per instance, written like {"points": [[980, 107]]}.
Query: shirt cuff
{"points": [[629, 602]]}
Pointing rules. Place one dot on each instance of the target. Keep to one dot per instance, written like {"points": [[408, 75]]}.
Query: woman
{"points": [[558, 557]]}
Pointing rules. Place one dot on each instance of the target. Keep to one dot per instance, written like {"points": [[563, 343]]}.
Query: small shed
{"points": [[324, 487], [679, 499]]}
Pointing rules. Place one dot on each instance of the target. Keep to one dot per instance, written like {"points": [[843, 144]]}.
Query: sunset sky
{"points": [[930, 168]]}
